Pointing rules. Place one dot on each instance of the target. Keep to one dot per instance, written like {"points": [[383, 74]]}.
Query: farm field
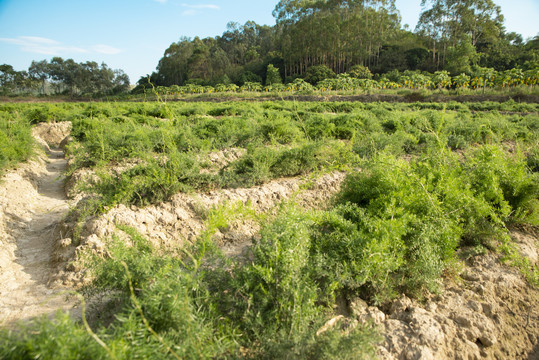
{"points": [[287, 229]]}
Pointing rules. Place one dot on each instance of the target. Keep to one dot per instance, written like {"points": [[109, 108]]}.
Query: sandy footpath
{"points": [[32, 204]]}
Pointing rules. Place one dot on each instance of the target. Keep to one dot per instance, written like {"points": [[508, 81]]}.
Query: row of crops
{"points": [[15, 120], [435, 179], [482, 78]]}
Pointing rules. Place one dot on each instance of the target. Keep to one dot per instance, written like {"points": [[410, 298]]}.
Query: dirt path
{"points": [[31, 216]]}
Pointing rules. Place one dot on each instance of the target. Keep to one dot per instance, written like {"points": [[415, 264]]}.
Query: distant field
{"points": [[518, 94]]}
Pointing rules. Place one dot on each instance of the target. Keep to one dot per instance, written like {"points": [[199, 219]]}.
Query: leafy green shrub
{"points": [[319, 127], [280, 130], [223, 111], [166, 306], [397, 143], [456, 142], [346, 126], [335, 107], [532, 159], [262, 164], [98, 110], [151, 182], [45, 113], [252, 169], [192, 110], [276, 282], [402, 235], [224, 132], [397, 224], [38, 115], [60, 338], [268, 307], [505, 182], [315, 74], [360, 72], [108, 140], [280, 309]]}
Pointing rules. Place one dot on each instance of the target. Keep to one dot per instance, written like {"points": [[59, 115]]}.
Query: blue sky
{"points": [[133, 34]]}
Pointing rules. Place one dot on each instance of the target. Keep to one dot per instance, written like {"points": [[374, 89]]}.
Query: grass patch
{"points": [[16, 142]]}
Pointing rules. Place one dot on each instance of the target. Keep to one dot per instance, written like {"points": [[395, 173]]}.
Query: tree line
{"points": [[451, 35], [312, 40], [61, 76]]}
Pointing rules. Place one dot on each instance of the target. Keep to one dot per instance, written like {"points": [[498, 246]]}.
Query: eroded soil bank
{"points": [[488, 312], [32, 205]]}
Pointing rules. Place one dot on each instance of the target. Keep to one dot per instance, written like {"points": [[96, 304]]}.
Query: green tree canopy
{"points": [[455, 23], [272, 75], [318, 73]]}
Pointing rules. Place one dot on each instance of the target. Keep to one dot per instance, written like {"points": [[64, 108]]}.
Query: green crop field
{"points": [[426, 184]]}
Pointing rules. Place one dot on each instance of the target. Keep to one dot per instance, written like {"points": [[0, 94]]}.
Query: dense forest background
{"points": [[314, 40], [59, 76], [339, 35]]}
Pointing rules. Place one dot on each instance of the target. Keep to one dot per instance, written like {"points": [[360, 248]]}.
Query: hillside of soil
{"points": [[481, 306]]}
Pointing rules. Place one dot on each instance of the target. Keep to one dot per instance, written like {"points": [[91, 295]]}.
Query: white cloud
{"points": [[28, 40], [40, 45], [106, 49], [202, 6], [161, 1], [195, 9], [38, 40]]}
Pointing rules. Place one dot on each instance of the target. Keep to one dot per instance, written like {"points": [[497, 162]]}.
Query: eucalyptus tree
{"points": [[241, 41], [199, 62], [462, 57], [90, 78], [39, 70], [7, 78], [335, 33], [121, 82], [509, 52], [448, 23], [241, 48], [64, 73], [173, 68], [13, 81]]}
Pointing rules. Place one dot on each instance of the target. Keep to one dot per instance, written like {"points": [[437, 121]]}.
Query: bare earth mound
{"points": [[491, 313]]}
